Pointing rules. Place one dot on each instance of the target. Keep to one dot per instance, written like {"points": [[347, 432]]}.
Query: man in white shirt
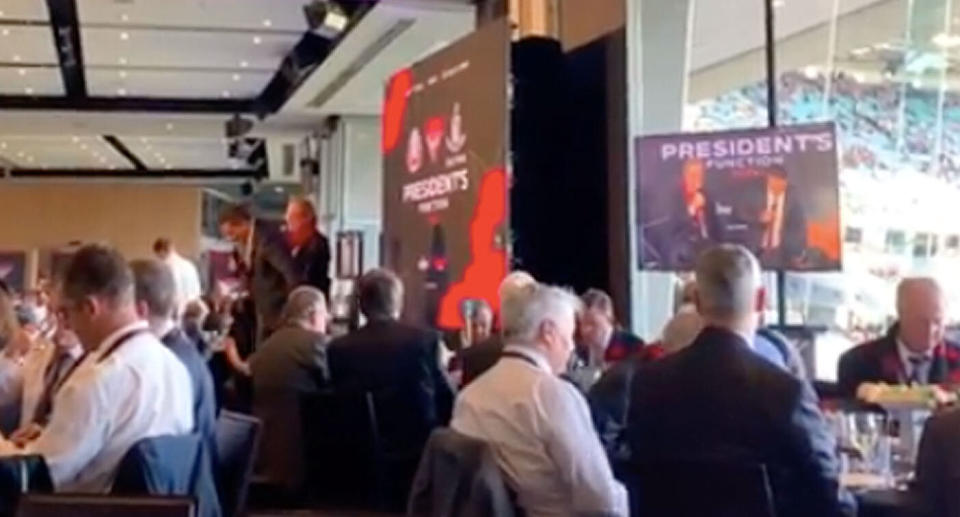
{"points": [[538, 424], [127, 387], [185, 274]]}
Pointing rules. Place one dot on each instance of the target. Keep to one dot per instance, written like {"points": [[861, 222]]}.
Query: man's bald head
{"points": [[920, 311]]}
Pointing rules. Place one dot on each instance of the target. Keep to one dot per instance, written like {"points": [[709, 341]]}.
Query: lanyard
{"points": [[517, 355], [120, 342]]}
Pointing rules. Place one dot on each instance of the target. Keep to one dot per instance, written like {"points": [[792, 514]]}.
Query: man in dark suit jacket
{"points": [[266, 260], [311, 249], [937, 490], [718, 401], [156, 298], [399, 366], [914, 351], [288, 366]]}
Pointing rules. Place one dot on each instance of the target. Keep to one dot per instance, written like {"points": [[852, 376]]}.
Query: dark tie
{"points": [[58, 364], [917, 365]]}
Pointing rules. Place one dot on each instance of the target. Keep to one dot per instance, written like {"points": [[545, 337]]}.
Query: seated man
{"points": [[289, 365], [128, 387], [481, 356], [601, 343], [914, 351], [538, 424], [156, 294], [399, 365], [718, 401]]}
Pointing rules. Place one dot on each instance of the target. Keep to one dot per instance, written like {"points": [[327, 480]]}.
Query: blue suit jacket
{"points": [[717, 400], [204, 398]]}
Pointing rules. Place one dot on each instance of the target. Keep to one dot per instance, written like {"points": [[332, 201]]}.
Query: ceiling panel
{"points": [[253, 15], [61, 152], [30, 81], [146, 83], [174, 152], [23, 10], [26, 44], [192, 49]]}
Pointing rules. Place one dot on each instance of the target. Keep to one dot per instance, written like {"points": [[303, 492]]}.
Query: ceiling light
{"points": [[5, 32], [325, 19], [122, 60], [148, 148], [945, 40], [236, 77], [257, 40], [121, 92], [1, 14], [16, 58], [103, 160], [225, 94], [124, 36], [74, 139], [20, 154], [30, 159], [267, 22], [143, 139], [858, 77], [3, 145], [811, 72], [22, 71], [168, 166], [123, 74], [244, 64], [124, 17], [860, 51], [113, 167], [169, 126], [29, 90], [779, 3]]}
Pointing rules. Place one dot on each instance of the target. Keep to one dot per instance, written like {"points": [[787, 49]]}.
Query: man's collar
{"points": [[111, 339], [906, 354], [531, 353]]}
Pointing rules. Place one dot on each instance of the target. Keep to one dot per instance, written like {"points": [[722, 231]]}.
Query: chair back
{"points": [[701, 488], [20, 475], [58, 505], [458, 476], [238, 438], [170, 466]]}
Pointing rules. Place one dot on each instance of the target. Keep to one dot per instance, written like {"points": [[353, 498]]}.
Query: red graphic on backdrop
{"points": [[488, 261], [434, 133], [394, 107]]}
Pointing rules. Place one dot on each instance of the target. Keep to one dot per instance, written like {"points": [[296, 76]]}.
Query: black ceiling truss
{"points": [[66, 38], [306, 56], [121, 148]]}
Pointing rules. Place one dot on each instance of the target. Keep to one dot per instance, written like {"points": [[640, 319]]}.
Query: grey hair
{"points": [[728, 277], [525, 312], [302, 303]]}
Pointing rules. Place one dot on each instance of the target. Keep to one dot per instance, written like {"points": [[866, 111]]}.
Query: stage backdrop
{"points": [[445, 185], [773, 190]]}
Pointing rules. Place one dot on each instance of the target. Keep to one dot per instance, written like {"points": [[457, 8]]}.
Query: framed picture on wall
{"points": [[13, 270]]}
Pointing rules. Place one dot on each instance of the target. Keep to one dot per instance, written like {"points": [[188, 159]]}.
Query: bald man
{"points": [[914, 350]]}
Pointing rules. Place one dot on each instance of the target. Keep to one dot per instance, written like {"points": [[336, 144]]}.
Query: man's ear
{"points": [[761, 301]]}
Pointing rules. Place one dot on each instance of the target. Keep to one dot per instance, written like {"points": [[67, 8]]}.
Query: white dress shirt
{"points": [[21, 388], [907, 358], [540, 430], [186, 279], [112, 401]]}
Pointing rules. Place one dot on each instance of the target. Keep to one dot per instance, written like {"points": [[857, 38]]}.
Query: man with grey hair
{"points": [[717, 401], [537, 423], [914, 350], [288, 366]]}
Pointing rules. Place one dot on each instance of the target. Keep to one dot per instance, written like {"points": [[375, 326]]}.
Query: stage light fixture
{"points": [[325, 18]]}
